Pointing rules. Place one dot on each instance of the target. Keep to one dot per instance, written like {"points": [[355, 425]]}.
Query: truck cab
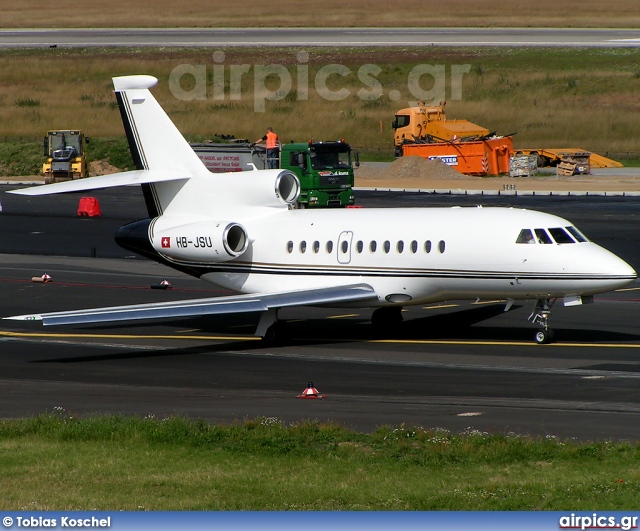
{"points": [[325, 170]]}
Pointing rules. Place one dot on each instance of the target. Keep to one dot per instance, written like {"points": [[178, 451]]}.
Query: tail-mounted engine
{"points": [[202, 242], [287, 187], [264, 188]]}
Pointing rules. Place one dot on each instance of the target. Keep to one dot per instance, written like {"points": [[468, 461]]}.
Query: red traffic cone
{"points": [[165, 284], [311, 392], [44, 278]]}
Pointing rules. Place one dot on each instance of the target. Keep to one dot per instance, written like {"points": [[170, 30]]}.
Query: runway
{"points": [[333, 37], [454, 365]]}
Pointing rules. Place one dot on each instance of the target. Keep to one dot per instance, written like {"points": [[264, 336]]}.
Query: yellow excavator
{"points": [[66, 158]]}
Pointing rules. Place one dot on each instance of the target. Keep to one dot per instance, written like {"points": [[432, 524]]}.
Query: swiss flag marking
{"points": [[166, 242]]}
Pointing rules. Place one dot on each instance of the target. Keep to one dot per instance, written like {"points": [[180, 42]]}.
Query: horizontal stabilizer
{"points": [[104, 181], [210, 306]]}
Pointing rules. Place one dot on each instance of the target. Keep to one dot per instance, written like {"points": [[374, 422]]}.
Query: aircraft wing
{"points": [[104, 181], [210, 306]]}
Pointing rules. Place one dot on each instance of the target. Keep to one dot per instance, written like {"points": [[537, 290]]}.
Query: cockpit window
{"points": [[525, 236], [577, 234], [560, 235], [542, 236]]}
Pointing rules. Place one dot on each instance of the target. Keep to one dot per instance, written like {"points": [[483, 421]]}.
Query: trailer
{"points": [[554, 156]]}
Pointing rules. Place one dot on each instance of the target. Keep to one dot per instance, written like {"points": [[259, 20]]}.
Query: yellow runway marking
{"points": [[628, 289], [343, 316], [440, 306], [499, 343], [383, 341], [486, 302]]}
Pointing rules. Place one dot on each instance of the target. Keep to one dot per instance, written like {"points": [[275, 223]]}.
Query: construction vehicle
{"points": [[426, 132], [66, 156], [426, 122], [325, 169]]}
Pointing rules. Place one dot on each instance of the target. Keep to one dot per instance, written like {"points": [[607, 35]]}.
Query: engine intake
{"points": [[287, 187], [201, 242]]}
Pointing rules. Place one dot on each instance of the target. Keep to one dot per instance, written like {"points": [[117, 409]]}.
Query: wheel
{"points": [[544, 336], [386, 319], [277, 334]]}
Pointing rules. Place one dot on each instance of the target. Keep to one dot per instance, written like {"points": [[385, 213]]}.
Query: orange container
{"points": [[475, 157]]}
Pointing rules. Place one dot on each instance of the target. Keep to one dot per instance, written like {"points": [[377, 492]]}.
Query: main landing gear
{"points": [[540, 316], [271, 330], [386, 319]]}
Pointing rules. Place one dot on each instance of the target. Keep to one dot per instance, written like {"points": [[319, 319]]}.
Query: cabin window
{"points": [[560, 235], [289, 247], [414, 246], [526, 236], [402, 120], [303, 246], [427, 246], [386, 246], [316, 246], [293, 158], [577, 234], [400, 246], [344, 246], [542, 236], [359, 246], [373, 246], [329, 246], [441, 246]]}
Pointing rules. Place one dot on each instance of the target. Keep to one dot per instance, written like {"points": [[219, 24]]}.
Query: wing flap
{"points": [[209, 306], [105, 181]]}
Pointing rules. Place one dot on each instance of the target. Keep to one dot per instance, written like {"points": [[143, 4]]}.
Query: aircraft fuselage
{"points": [[409, 256]]}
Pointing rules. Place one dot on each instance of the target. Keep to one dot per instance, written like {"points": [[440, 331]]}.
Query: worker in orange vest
{"points": [[271, 143]]}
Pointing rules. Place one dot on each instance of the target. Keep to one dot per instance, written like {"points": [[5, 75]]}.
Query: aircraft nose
{"points": [[609, 269]]}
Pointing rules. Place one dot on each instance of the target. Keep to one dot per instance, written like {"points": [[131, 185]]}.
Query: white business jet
{"points": [[243, 232]]}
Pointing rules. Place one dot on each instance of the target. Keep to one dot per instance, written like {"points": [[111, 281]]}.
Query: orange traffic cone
{"points": [[311, 392]]}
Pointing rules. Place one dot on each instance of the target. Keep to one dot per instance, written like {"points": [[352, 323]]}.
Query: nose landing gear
{"points": [[540, 316]]}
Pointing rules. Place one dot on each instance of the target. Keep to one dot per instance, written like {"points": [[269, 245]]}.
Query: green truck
{"points": [[325, 169]]}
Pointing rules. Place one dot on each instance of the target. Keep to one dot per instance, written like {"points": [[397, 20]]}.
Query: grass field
{"points": [[216, 13], [59, 462], [550, 98]]}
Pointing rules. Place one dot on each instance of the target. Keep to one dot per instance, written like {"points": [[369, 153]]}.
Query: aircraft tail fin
{"points": [[155, 142]]}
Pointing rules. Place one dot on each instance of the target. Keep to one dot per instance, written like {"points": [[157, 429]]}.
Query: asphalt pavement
{"points": [[457, 365]]}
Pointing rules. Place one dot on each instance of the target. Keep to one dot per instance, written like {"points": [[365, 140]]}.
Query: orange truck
{"points": [[426, 132]]}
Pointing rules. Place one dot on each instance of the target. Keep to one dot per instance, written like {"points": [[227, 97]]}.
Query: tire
{"points": [[277, 334], [386, 319], [544, 337]]}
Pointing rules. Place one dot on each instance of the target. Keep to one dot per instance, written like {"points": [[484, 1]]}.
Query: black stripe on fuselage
{"points": [[342, 271]]}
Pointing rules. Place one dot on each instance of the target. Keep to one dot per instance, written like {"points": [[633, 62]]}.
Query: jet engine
{"points": [[202, 242], [265, 188]]}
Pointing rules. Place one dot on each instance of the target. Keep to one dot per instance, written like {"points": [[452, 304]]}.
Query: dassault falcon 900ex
{"points": [[243, 232]]}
